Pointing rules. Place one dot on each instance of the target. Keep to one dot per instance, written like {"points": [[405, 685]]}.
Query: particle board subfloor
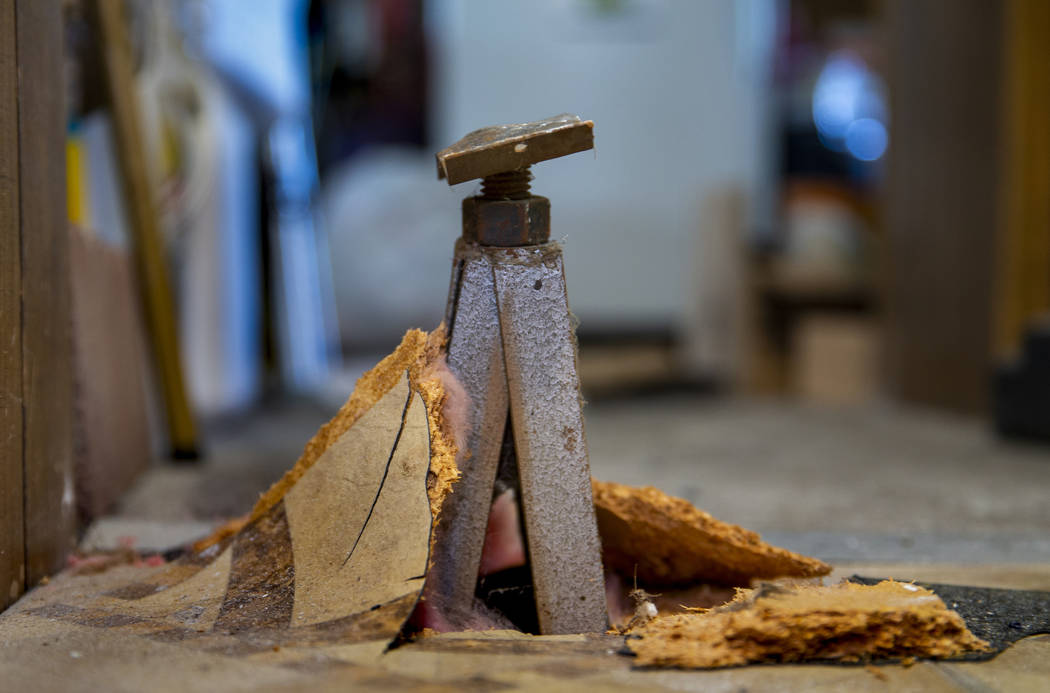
{"points": [[882, 491], [71, 652]]}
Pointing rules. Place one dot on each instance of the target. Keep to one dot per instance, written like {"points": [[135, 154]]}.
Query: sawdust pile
{"points": [[673, 543], [844, 622]]}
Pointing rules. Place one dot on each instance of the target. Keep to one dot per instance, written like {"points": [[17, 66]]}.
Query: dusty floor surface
{"points": [[71, 649], [873, 483], [880, 490]]}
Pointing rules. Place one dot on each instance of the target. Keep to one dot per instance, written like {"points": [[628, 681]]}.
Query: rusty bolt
{"points": [[506, 213]]}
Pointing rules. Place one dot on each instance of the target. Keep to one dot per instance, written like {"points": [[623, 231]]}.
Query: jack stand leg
{"points": [[539, 347], [475, 356]]}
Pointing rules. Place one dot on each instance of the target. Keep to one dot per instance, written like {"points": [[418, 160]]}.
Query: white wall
{"points": [[678, 96]]}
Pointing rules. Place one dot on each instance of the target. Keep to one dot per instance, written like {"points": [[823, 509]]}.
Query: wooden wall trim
{"points": [[47, 382], [12, 551], [36, 389]]}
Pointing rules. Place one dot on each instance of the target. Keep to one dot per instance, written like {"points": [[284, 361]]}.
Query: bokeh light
{"points": [[849, 108]]}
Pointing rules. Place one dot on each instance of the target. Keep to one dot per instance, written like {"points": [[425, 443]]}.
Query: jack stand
{"points": [[512, 345]]}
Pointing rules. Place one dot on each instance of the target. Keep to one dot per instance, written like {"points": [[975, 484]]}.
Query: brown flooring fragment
{"points": [[845, 622], [339, 557], [375, 624], [176, 572], [46, 644], [422, 355], [262, 576], [673, 543]]}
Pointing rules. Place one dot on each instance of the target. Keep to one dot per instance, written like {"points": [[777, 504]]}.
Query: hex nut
{"points": [[507, 223]]}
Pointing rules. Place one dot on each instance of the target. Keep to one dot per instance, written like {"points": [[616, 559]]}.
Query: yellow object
{"points": [[146, 242], [77, 200]]}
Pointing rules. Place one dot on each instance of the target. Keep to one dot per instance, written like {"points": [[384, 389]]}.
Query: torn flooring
{"points": [[336, 552]]}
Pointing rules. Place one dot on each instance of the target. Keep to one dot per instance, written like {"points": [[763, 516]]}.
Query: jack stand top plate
{"points": [[501, 148]]}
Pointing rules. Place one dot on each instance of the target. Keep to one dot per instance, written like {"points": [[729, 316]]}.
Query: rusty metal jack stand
{"points": [[512, 345]]}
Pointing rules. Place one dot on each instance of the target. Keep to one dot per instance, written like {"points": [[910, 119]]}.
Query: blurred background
{"points": [[810, 254]]}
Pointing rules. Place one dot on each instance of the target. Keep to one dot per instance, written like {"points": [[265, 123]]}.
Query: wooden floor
{"points": [[47, 648]]}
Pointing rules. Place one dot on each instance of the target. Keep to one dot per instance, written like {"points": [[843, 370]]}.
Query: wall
{"points": [[677, 94], [677, 91]]}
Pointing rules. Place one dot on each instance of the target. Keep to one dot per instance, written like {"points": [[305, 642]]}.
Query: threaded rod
{"points": [[508, 185]]}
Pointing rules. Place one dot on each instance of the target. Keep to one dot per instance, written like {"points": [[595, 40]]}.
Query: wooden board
{"points": [[1023, 278], [835, 360], [112, 435], [147, 244], [46, 342], [941, 199], [11, 535]]}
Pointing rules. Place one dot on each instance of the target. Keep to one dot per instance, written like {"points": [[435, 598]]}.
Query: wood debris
{"points": [[844, 622], [671, 542]]}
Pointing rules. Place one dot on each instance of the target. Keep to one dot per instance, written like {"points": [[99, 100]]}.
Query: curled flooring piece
{"points": [[674, 543]]}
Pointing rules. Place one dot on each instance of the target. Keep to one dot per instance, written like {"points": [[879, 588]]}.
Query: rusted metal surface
{"points": [[539, 348], [502, 148], [507, 222], [509, 185], [475, 356], [512, 345]]}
